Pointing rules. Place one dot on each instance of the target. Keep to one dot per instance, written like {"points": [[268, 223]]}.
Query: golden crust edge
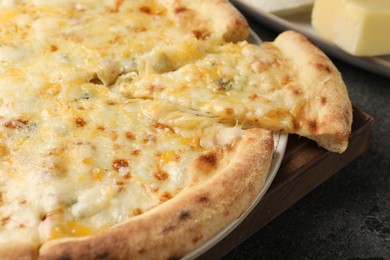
{"points": [[21, 251], [182, 224], [227, 22], [321, 79]]}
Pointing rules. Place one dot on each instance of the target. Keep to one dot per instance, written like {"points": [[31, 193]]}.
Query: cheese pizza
{"points": [[139, 129]]}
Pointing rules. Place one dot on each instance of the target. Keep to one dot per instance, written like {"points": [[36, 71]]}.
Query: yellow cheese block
{"points": [[360, 27]]}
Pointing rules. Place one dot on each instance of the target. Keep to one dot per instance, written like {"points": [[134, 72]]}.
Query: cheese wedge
{"points": [[359, 27]]}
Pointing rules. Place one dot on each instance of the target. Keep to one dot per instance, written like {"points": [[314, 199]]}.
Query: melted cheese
{"points": [[238, 83], [76, 156], [100, 41], [95, 162]]}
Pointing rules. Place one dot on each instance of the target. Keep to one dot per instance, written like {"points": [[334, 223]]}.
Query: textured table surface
{"points": [[348, 216]]}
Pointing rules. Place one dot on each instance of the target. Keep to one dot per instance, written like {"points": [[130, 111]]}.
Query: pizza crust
{"points": [[207, 18], [22, 251], [328, 117], [183, 223]]}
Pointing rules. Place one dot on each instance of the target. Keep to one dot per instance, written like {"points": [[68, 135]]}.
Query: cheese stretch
{"points": [[360, 27]]}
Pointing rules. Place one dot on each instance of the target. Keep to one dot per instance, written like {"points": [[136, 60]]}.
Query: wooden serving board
{"points": [[304, 167]]}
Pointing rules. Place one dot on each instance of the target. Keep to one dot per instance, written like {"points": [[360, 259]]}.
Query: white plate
{"points": [[302, 23], [280, 143]]}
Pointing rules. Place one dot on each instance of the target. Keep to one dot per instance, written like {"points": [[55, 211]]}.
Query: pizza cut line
{"points": [[139, 129]]}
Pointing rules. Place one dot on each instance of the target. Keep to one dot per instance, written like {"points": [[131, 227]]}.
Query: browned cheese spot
{"points": [[3, 150], [162, 126], [201, 34], [117, 6], [145, 9], [229, 111], [119, 183], [42, 216], [161, 175], [253, 97], [127, 176], [111, 103], [165, 196], [286, 79], [140, 29], [130, 136], [114, 136], [323, 100], [119, 163], [5, 220], [207, 162], [115, 39], [230, 147], [16, 124], [180, 9], [150, 139], [53, 48], [296, 90], [137, 211], [136, 152], [153, 10], [79, 122]]}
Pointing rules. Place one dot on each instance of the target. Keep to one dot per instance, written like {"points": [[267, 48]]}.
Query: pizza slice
{"points": [[287, 85]]}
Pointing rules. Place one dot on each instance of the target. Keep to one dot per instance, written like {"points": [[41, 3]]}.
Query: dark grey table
{"points": [[348, 216]]}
